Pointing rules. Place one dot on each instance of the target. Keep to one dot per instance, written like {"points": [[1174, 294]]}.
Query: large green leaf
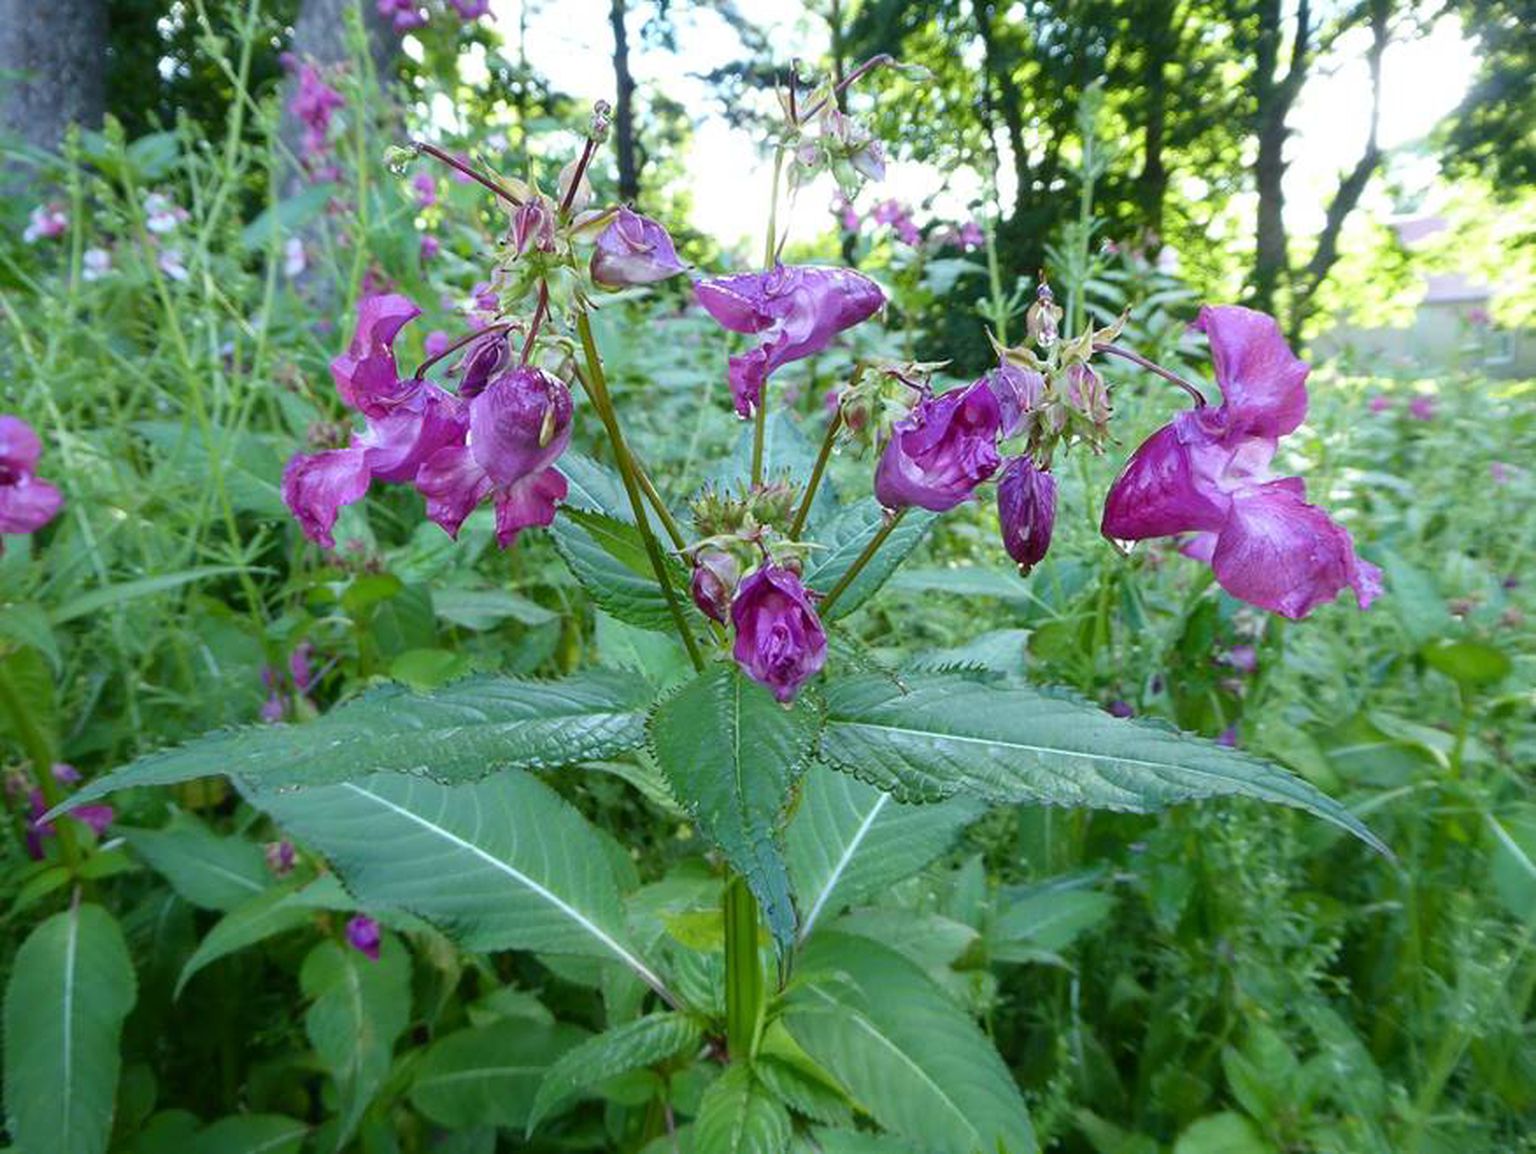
{"points": [[909, 1055], [488, 1075], [212, 872], [844, 539], [273, 912], [732, 754], [360, 1006], [71, 986], [458, 733], [739, 1115], [941, 735], [608, 557], [250, 1134], [849, 841], [632, 1046], [500, 864]]}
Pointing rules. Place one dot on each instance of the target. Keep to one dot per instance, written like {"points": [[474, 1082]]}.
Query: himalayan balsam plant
{"points": [[818, 777]]}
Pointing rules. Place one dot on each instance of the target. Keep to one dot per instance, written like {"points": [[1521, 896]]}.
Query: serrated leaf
{"points": [[70, 988], [1016, 744], [909, 1055], [359, 1007], [738, 1115], [1046, 917], [846, 536], [593, 488], [632, 1046], [488, 1075], [458, 733], [732, 754], [813, 1097], [211, 872], [850, 841], [502, 864], [606, 556]]}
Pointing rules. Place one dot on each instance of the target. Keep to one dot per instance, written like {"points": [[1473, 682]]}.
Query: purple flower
{"points": [[779, 639], [1118, 708], [1500, 473], [1018, 392], [471, 9], [273, 709], [436, 343], [426, 189], [363, 936], [518, 426], [1026, 511], [430, 247], [633, 250], [1207, 472], [1380, 403], [796, 310], [405, 15], [940, 451], [1228, 737], [888, 212], [280, 857], [47, 222], [1422, 408], [300, 669], [94, 817], [715, 576], [26, 502], [366, 375], [970, 235], [533, 228], [314, 103]]}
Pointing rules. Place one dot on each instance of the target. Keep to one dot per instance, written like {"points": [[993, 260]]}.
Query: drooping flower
{"points": [[47, 222], [1207, 472], [407, 422], [1026, 511], [363, 936], [1018, 392], [27, 502], [940, 451], [796, 310], [519, 424], [779, 639], [634, 250], [715, 576]]}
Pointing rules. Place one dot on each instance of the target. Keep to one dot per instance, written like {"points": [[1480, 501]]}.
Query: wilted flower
{"points": [[940, 451], [715, 576], [46, 222], [27, 503], [518, 426], [633, 250], [1026, 511], [363, 936], [1207, 472], [797, 310], [779, 639]]}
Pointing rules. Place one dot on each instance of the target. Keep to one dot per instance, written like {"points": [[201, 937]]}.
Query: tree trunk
{"points": [[53, 70], [1352, 187], [1161, 43], [1010, 104], [1271, 259], [624, 105]]}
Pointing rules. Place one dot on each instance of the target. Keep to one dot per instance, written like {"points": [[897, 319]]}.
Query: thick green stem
{"points": [[40, 753], [597, 388], [863, 559], [743, 970], [668, 522], [817, 470]]}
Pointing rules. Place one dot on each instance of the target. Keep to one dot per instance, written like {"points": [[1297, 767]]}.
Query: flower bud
{"points": [[1043, 319], [533, 226], [715, 576], [779, 639], [1026, 511], [940, 451], [633, 250], [363, 936]]}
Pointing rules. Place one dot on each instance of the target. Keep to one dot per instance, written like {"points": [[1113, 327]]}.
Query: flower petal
{"points": [[317, 485], [366, 374], [19, 446], [453, 483], [28, 505], [1262, 381], [1282, 554], [1164, 489], [531, 501]]}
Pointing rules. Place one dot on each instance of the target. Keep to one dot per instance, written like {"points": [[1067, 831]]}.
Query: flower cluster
{"points": [[27, 502], [409, 15], [47, 222], [898, 218]]}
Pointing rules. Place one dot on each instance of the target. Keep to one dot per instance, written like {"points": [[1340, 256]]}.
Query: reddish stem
{"points": [[540, 311], [499, 326], [458, 165], [1142, 362]]}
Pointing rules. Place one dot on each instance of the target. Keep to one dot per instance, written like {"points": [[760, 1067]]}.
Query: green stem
{"points": [[743, 970], [817, 470], [597, 388], [863, 559], [668, 522], [40, 753]]}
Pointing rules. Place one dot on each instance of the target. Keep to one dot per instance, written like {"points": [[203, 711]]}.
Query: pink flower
{"points": [[1380, 403], [430, 247], [941, 451], [437, 343], [47, 222], [364, 937], [780, 642], [633, 250], [426, 189], [1026, 511], [96, 818], [1422, 408], [27, 503], [471, 9], [796, 311], [405, 15], [1207, 473], [314, 103]]}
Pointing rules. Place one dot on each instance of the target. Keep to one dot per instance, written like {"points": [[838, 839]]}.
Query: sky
{"points": [[572, 44]]}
